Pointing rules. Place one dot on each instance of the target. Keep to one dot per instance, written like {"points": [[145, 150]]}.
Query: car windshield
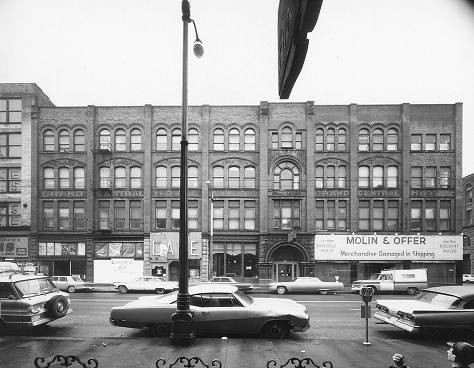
{"points": [[374, 276], [242, 296], [442, 300], [35, 287], [77, 278]]}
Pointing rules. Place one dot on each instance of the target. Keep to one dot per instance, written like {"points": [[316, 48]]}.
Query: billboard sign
{"points": [[13, 246], [388, 247], [165, 246]]}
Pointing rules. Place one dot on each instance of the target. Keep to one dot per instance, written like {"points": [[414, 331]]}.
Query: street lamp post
{"points": [[182, 332]]}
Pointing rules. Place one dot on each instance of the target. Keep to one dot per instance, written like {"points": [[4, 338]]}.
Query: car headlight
{"points": [[37, 308]]}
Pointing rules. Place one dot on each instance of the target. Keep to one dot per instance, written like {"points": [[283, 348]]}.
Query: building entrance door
{"points": [[285, 271]]}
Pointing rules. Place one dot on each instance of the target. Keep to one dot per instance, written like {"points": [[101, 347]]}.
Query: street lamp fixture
{"points": [[182, 331]]}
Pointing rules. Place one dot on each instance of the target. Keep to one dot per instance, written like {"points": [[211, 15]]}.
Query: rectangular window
{"points": [[9, 214], [331, 219], [274, 140], [444, 177], [160, 214], [120, 214], [48, 214], [10, 180], [299, 140], [286, 214], [319, 222], [10, 111], [10, 145], [392, 220], [430, 177], [416, 176], [445, 142], [364, 215], [445, 216], [415, 215], [415, 143], [249, 215], [378, 215], [63, 209], [104, 215], [430, 142], [430, 216], [79, 215], [193, 215], [234, 215], [175, 215], [136, 214], [341, 215], [330, 176], [218, 215]]}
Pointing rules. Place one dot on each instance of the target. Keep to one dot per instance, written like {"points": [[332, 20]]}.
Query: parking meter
{"points": [[366, 293]]}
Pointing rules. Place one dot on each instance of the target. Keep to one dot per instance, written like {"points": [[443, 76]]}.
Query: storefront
{"points": [[62, 258], [164, 256], [354, 257]]}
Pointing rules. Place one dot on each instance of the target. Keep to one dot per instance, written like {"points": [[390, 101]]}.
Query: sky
{"points": [[124, 52]]}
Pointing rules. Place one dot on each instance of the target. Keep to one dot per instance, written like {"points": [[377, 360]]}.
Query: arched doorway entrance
{"points": [[285, 260]]}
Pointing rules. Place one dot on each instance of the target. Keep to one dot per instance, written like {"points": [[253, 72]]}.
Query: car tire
{"points": [[275, 330], [159, 291], [58, 306], [160, 330], [71, 289], [412, 291], [323, 292], [123, 289], [281, 290]]}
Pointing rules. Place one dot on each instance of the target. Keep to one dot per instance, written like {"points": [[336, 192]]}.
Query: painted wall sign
{"points": [[389, 247], [117, 269], [62, 193], [121, 193], [379, 193], [165, 246], [332, 193], [13, 246]]}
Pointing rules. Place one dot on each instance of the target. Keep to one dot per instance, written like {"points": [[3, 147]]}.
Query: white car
{"points": [[306, 284], [71, 284], [468, 278], [146, 283]]}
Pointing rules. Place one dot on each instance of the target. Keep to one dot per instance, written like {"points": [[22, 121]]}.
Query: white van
{"points": [[411, 281]]}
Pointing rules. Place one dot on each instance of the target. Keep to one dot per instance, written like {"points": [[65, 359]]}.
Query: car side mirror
{"points": [[11, 297]]}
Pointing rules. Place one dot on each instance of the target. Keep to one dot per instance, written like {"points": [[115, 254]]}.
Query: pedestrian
{"points": [[460, 355]]}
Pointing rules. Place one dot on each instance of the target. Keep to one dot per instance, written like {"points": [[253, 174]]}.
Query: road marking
{"points": [[131, 300]]}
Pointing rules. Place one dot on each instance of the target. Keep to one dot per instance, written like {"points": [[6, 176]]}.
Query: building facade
{"points": [[468, 227], [268, 184]]}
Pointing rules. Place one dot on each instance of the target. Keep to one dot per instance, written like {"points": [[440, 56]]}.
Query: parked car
{"points": [[409, 281], [434, 309], [216, 309], [146, 283], [468, 278], [71, 284], [28, 300], [244, 286], [305, 284]]}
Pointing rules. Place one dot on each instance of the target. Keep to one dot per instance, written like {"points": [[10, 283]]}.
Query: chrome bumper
{"points": [[397, 322]]}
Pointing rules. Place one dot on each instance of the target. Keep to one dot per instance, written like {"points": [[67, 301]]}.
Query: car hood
{"points": [[365, 281], [285, 305], [410, 306]]}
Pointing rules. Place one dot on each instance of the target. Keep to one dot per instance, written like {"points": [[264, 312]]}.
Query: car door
{"points": [[62, 283], [386, 283], [220, 313]]}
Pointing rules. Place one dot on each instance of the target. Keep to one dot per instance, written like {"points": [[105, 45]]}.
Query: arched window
{"points": [[249, 140], [193, 139], [176, 139], [319, 139], [377, 177], [79, 178], [218, 140], [330, 139], [286, 137], [364, 176], [468, 198], [161, 140], [341, 139], [249, 177], [120, 179], [319, 174], [363, 140], [341, 176], [120, 140], [63, 177], [135, 177], [377, 143], [218, 176], [234, 177], [48, 140], [48, 178], [175, 176], [192, 176], [79, 141], [64, 141], [286, 176], [104, 140], [160, 177], [135, 140], [234, 140], [392, 177], [392, 140], [330, 176], [104, 176]]}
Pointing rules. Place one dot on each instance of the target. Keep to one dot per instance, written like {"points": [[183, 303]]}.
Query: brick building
{"points": [[99, 188], [468, 227]]}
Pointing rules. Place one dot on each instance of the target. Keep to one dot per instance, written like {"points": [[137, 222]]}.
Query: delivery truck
{"points": [[410, 281]]}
